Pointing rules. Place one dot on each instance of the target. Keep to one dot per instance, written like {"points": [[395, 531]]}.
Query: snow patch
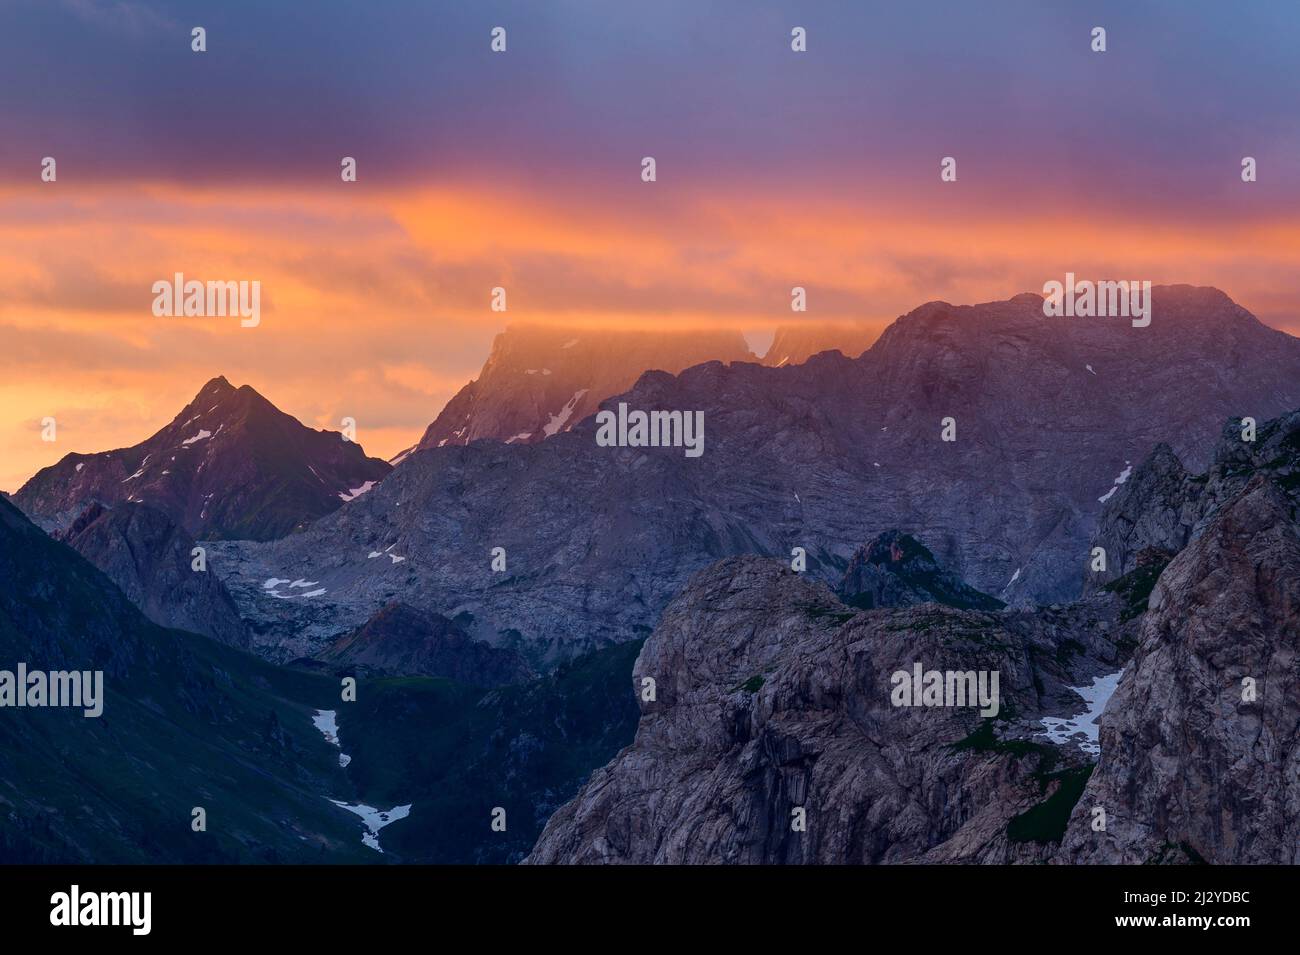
{"points": [[375, 819], [82, 465], [203, 433], [327, 722], [271, 588], [519, 437], [561, 417], [1123, 476], [356, 492], [1061, 729]]}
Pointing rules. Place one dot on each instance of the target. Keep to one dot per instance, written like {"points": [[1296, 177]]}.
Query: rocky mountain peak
{"points": [[897, 570], [230, 464], [400, 640], [540, 381]]}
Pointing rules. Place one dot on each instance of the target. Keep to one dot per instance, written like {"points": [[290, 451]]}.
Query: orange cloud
{"points": [[375, 303]]}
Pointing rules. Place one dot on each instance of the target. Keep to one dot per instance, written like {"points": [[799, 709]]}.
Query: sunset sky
{"points": [[522, 169]]}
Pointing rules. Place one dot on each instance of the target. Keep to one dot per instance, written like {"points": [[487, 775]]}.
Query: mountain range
{"points": [[774, 735], [503, 602], [1049, 418]]}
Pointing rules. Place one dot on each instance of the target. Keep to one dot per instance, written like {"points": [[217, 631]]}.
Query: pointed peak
{"points": [[217, 384]]}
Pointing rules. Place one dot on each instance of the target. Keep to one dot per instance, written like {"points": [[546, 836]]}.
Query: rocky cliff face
{"points": [[403, 641], [1196, 754], [230, 465], [897, 570], [1200, 758], [1163, 506], [540, 381], [773, 735], [151, 561], [824, 455]]}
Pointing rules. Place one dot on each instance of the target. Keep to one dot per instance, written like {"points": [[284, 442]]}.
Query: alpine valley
{"points": [[647, 656]]}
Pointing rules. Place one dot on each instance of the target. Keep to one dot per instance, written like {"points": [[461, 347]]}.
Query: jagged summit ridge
{"points": [[229, 465], [540, 381], [819, 455]]}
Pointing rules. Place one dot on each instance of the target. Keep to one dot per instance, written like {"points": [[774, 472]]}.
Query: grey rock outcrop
{"points": [[403, 641], [1193, 767], [151, 561], [1199, 752], [1163, 506], [897, 570], [771, 697]]}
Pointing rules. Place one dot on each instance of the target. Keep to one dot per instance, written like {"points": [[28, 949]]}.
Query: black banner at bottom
{"points": [[333, 904]]}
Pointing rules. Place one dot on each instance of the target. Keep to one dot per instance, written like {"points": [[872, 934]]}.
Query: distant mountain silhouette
{"points": [[796, 342], [230, 465], [540, 380]]}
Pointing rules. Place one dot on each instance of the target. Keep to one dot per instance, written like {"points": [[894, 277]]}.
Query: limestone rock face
{"points": [[772, 697], [823, 455], [1163, 506], [1189, 768], [897, 570]]}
